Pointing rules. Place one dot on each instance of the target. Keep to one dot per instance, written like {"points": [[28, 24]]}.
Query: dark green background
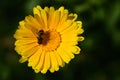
{"points": [[99, 58]]}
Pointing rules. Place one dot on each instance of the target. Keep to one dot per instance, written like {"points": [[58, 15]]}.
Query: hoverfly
{"points": [[40, 33]]}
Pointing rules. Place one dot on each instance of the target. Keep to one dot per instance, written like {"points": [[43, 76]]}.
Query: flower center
{"points": [[50, 40]]}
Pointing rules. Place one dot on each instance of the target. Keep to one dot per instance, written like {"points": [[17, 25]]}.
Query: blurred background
{"points": [[99, 58]]}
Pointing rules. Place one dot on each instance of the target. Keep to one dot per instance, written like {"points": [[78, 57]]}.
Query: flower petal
{"points": [[80, 38], [59, 60], [72, 17], [40, 63], [68, 52], [63, 55], [24, 33], [34, 59], [54, 64], [53, 22], [47, 63], [26, 50], [64, 26], [63, 12], [75, 49], [32, 24], [25, 42], [23, 59], [37, 10], [50, 17], [70, 36]]}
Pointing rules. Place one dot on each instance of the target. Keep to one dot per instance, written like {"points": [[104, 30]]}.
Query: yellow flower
{"points": [[48, 39]]}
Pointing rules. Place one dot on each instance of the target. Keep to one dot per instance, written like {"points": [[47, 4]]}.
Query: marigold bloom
{"points": [[48, 39]]}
